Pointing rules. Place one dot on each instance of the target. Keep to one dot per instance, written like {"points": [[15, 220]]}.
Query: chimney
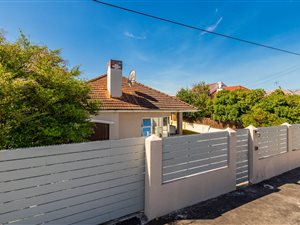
{"points": [[114, 78]]}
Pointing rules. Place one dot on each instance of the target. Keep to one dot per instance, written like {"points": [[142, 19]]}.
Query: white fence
{"points": [[199, 128], [190, 155], [86, 183], [95, 182], [184, 170], [273, 151]]}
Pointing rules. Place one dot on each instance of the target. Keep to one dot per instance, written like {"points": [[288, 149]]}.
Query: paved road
{"points": [[252, 205]]}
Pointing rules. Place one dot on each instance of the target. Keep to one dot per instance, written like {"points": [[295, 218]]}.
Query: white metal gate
{"points": [[242, 156]]}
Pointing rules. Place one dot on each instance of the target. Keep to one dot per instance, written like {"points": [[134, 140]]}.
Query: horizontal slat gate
{"points": [[86, 183], [272, 141], [186, 156], [242, 156]]}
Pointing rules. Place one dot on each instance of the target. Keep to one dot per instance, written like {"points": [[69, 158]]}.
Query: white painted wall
{"points": [[161, 199], [127, 124], [264, 168], [111, 117], [199, 128], [130, 122]]}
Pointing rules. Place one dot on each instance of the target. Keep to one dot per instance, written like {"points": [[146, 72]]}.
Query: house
{"points": [[215, 87], [285, 91], [219, 86], [132, 110]]}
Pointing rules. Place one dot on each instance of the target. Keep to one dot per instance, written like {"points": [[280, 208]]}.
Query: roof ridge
{"points": [[96, 78]]}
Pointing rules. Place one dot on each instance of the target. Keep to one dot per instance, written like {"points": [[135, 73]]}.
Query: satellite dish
{"points": [[131, 78]]}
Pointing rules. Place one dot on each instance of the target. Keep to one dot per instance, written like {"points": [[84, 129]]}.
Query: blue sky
{"points": [[165, 56]]}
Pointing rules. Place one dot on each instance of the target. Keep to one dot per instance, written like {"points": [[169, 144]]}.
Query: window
{"points": [[156, 125], [146, 127]]}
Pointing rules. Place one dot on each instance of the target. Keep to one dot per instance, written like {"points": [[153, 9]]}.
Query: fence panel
{"points": [[193, 154], [242, 156], [295, 137], [272, 141], [86, 183]]}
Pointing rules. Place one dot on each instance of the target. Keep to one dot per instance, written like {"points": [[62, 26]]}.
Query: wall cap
{"points": [[251, 127], [153, 137], [230, 130]]}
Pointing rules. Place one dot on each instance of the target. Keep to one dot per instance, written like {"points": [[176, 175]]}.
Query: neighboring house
{"points": [[285, 91], [219, 86], [297, 92], [215, 87], [132, 110]]}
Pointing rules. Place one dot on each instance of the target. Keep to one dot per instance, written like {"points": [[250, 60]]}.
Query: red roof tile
{"points": [[233, 88], [136, 97]]}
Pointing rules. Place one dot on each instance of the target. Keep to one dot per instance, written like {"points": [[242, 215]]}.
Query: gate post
{"points": [[293, 156], [289, 136], [253, 154], [153, 175]]}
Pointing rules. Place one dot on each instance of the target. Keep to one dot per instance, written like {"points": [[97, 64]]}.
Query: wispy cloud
{"points": [[133, 36], [213, 27]]}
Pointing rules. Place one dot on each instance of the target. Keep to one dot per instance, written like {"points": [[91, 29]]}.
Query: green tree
{"points": [[229, 106], [197, 96], [41, 101], [274, 109]]}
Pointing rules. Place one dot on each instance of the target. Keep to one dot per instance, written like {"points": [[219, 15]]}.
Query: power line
{"points": [[276, 75], [196, 28]]}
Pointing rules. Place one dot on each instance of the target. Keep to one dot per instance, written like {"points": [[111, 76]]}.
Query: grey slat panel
{"points": [[111, 215], [207, 167], [242, 150], [63, 167], [56, 159], [56, 177], [58, 210], [195, 144], [69, 196], [73, 177], [194, 138], [58, 183], [272, 141], [186, 155]]}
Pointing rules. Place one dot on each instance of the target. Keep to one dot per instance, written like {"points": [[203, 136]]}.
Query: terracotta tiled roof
{"points": [[136, 97], [233, 88]]}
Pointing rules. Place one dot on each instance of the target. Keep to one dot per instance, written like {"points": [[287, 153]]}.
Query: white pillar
{"points": [[253, 154], [293, 155], [153, 176], [289, 136]]}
